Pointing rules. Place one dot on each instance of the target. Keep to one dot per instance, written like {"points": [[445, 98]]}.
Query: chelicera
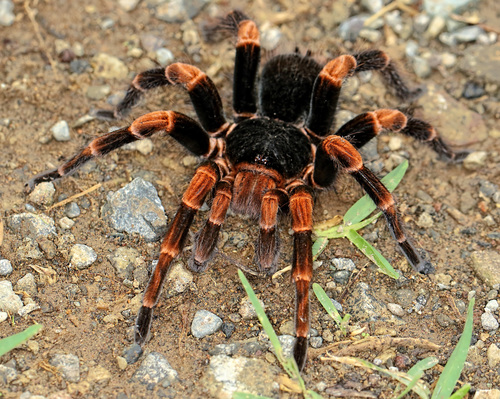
{"points": [[278, 149]]}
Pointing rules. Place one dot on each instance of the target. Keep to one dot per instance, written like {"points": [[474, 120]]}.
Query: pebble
{"points": [[493, 354], [421, 22], [287, 342], [396, 309], [475, 160], [371, 35], [3, 316], [247, 311], [155, 369], [132, 353], [179, 280], [9, 301], [5, 267], [121, 362], [489, 321], [421, 67], [341, 276], [445, 7], [98, 92], [60, 131], [72, 210], [147, 215], [68, 366], [364, 305], [436, 26], [128, 5], [205, 323], [472, 90], [372, 5], [487, 188], [486, 264], [31, 225], [179, 10], [164, 56], [7, 374], [125, 260], [487, 394], [7, 16], [109, 67], [270, 38], [81, 256], [466, 34], [344, 264], [226, 375], [27, 284], [350, 28], [491, 306], [43, 194], [79, 66], [448, 59], [66, 223], [316, 342], [425, 220]]}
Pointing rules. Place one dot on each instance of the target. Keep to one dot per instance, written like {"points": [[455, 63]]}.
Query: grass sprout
{"points": [[355, 219], [9, 343]]}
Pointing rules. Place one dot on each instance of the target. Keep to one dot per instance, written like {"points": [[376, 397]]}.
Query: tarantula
{"points": [[277, 150]]}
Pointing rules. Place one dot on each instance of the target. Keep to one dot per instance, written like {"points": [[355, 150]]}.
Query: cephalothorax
{"points": [[277, 150]]}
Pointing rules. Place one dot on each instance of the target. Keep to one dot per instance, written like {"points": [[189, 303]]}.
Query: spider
{"points": [[276, 152]]}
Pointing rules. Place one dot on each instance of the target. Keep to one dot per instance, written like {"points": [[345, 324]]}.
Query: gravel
{"points": [[68, 365], [6, 13], [60, 131], [205, 323], [136, 208], [82, 256], [9, 301], [5, 267], [31, 225], [155, 369], [489, 321]]}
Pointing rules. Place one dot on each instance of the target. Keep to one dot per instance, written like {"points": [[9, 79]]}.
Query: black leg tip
{"points": [[104, 115], [143, 324], [300, 352]]}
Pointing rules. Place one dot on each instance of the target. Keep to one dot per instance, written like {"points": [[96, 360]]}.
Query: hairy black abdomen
{"points": [[272, 143], [286, 86]]}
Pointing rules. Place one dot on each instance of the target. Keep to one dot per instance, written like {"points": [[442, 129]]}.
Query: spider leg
{"points": [[301, 207], [267, 248], [361, 129], [379, 60], [246, 64], [326, 92], [181, 127], [201, 90], [204, 179], [206, 239], [343, 154], [144, 81]]}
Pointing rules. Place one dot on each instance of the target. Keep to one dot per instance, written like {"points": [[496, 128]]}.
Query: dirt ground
{"points": [[34, 96]]}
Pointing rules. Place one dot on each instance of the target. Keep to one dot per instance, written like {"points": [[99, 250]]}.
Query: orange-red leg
{"points": [[182, 128], [203, 181], [267, 248], [301, 208], [326, 91], [338, 152], [206, 239]]}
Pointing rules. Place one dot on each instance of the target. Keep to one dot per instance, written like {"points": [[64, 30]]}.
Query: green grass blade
{"points": [[372, 254], [328, 305], [423, 365], [364, 206], [451, 372], [9, 343], [318, 246], [460, 393], [261, 314], [411, 384]]}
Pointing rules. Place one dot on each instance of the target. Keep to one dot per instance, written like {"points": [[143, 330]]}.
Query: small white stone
{"points": [[491, 306], [475, 160], [60, 131], [82, 256], [164, 56], [489, 321], [3, 316], [395, 143], [66, 223]]}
